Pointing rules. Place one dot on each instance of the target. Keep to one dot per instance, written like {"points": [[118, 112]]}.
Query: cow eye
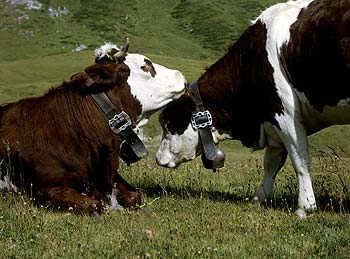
{"points": [[143, 67]]}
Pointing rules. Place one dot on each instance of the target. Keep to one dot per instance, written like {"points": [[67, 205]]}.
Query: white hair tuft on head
{"points": [[106, 50]]}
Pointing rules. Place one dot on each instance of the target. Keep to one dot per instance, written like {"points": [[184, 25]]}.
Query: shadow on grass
{"points": [[286, 202]]}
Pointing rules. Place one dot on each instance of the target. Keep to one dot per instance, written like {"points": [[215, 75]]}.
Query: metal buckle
{"points": [[119, 122], [201, 120]]}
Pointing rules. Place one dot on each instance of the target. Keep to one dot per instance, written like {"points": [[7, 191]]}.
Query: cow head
{"points": [[152, 84], [180, 141], [99, 78]]}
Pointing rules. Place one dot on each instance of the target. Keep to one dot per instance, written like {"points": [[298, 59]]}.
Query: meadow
{"points": [[189, 212]]}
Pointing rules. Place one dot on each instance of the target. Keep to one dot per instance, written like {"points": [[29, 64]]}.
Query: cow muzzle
{"points": [[164, 160], [169, 164]]}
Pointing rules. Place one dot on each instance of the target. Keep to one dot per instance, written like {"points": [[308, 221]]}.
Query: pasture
{"points": [[189, 212]]}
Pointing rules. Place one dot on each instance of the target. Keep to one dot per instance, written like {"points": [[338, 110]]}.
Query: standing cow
{"points": [[286, 77]]}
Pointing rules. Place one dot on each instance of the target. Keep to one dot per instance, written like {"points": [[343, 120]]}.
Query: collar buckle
{"points": [[201, 120], [119, 122]]}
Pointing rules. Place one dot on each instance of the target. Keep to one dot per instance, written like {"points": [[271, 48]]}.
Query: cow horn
{"points": [[126, 46], [122, 53]]}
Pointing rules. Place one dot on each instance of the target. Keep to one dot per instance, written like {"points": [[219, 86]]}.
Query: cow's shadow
{"points": [[287, 202]]}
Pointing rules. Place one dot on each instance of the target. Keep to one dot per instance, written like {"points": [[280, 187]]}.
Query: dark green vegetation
{"points": [[191, 29], [189, 212]]}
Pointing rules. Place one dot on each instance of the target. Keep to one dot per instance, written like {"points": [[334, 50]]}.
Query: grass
{"points": [[189, 212]]}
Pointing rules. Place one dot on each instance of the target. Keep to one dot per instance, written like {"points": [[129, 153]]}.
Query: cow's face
{"points": [[180, 142], [152, 84]]}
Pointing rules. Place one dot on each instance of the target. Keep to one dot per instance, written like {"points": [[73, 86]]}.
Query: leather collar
{"points": [[201, 120], [132, 149]]}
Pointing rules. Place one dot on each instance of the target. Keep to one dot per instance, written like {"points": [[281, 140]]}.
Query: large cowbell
{"points": [[132, 148], [132, 153], [212, 157]]}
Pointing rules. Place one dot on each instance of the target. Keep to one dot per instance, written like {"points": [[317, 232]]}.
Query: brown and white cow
{"points": [[60, 147], [286, 77], [152, 85]]}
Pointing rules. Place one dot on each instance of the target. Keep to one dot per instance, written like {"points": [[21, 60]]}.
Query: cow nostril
{"points": [[163, 163]]}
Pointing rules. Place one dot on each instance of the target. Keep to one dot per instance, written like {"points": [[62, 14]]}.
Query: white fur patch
{"points": [[278, 20], [114, 202], [217, 137], [7, 186], [5, 183], [105, 50]]}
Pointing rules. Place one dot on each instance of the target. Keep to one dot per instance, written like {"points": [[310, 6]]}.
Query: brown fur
{"points": [[61, 144], [149, 68], [317, 57]]}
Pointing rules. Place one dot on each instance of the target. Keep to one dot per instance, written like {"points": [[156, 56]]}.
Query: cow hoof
{"points": [[95, 209], [256, 202], [128, 199], [303, 214], [133, 200]]}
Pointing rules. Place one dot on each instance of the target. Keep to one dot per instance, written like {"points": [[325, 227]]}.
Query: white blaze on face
{"points": [[153, 92], [176, 149]]}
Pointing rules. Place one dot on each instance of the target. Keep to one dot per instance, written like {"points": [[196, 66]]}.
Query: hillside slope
{"points": [[191, 29]]}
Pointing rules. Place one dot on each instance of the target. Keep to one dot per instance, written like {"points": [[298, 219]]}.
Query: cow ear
{"points": [[103, 77], [84, 78], [149, 68], [78, 76]]}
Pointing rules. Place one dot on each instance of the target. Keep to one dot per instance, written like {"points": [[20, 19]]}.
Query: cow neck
{"points": [[201, 120], [132, 148]]}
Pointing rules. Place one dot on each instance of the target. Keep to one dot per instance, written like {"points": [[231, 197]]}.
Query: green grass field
{"points": [[189, 212]]}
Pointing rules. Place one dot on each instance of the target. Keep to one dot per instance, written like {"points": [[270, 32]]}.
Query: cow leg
{"points": [[301, 163], [274, 159], [294, 137], [124, 194], [66, 198]]}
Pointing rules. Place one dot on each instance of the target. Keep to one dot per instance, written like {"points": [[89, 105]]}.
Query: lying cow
{"points": [[59, 145], [287, 76], [152, 84], [153, 89]]}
